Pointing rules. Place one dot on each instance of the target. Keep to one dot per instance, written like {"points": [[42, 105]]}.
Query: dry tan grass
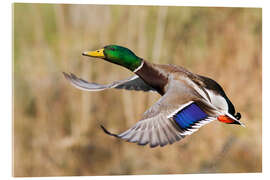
{"points": [[56, 127]]}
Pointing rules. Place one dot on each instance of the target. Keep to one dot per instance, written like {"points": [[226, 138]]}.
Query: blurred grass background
{"points": [[56, 127]]}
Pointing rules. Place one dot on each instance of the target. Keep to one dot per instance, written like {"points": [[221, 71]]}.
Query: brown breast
{"points": [[154, 75]]}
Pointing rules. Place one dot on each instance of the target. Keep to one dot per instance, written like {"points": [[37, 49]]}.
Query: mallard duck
{"points": [[188, 100]]}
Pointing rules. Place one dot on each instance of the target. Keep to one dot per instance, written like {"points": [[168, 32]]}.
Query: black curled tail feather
{"points": [[238, 116], [108, 132]]}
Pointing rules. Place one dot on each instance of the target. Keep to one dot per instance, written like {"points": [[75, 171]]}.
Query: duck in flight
{"points": [[188, 101]]}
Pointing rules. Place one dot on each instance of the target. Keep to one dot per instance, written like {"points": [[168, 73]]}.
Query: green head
{"points": [[117, 55]]}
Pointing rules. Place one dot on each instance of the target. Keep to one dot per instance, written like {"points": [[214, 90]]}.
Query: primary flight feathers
{"points": [[132, 83]]}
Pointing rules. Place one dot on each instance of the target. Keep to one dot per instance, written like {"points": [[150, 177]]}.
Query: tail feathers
{"points": [[241, 124], [108, 132]]}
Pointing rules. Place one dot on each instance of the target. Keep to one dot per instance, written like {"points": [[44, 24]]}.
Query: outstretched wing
{"points": [[132, 83], [177, 114]]}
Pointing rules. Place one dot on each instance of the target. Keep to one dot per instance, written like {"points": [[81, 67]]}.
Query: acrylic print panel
{"points": [[57, 127]]}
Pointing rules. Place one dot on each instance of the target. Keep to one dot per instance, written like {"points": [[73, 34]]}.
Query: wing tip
{"points": [[66, 75], [108, 132], [69, 76]]}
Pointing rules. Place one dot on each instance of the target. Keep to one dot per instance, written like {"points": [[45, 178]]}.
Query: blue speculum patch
{"points": [[189, 115]]}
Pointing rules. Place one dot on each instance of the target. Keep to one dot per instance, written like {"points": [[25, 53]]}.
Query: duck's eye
{"points": [[98, 51]]}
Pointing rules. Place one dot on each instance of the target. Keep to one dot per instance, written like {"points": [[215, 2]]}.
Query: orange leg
{"points": [[225, 119]]}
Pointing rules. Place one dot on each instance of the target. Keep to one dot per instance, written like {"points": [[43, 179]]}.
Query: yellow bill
{"points": [[98, 53]]}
